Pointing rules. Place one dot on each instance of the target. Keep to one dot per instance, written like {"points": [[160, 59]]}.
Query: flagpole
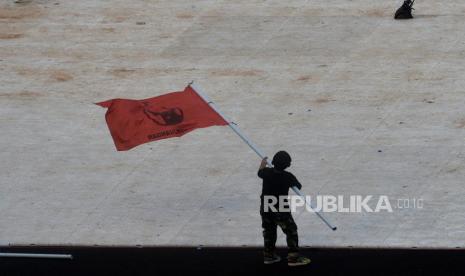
{"points": [[234, 127]]}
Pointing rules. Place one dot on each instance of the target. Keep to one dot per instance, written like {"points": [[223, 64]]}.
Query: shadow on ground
{"points": [[231, 261]]}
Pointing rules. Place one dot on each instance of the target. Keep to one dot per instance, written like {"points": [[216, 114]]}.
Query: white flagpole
{"points": [[234, 127]]}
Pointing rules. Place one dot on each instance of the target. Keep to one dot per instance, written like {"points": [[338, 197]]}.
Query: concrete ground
{"points": [[366, 105]]}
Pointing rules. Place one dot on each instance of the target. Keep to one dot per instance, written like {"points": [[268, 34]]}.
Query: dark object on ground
{"points": [[232, 261], [405, 11]]}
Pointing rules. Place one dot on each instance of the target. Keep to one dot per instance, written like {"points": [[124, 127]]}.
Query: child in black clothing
{"points": [[276, 183]]}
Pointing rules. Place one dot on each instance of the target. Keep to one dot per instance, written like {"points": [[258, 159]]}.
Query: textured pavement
{"points": [[366, 105]]}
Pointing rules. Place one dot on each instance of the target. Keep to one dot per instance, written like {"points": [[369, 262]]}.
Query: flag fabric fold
{"points": [[135, 122]]}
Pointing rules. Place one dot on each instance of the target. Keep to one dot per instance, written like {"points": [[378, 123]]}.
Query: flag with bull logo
{"points": [[134, 122]]}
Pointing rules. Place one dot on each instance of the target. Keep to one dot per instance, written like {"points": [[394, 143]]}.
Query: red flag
{"points": [[134, 122]]}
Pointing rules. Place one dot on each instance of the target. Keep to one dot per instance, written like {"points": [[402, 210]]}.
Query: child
{"points": [[276, 182]]}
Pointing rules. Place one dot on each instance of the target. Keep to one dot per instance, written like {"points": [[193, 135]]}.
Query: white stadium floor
{"points": [[366, 105]]}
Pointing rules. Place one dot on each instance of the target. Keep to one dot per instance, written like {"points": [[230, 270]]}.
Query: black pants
{"points": [[270, 223]]}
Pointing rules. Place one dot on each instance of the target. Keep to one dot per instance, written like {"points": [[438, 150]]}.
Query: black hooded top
{"points": [[276, 183]]}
